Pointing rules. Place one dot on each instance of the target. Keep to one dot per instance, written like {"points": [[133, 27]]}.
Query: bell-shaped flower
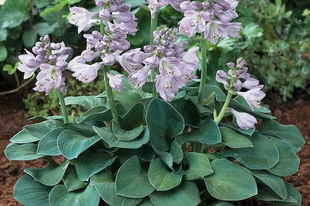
{"points": [[250, 83], [244, 120], [227, 11], [166, 86], [139, 77], [233, 30], [82, 18], [221, 77], [131, 61], [49, 78], [155, 5], [29, 64], [193, 22], [84, 72], [116, 81], [216, 29], [254, 96]]}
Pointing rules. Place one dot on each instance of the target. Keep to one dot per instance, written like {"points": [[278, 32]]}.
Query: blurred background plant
{"points": [[275, 40]]}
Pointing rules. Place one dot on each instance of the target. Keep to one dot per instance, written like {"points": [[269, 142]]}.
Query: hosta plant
{"points": [[158, 136]]}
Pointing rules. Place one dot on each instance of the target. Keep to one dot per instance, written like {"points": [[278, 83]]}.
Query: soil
{"points": [[12, 120]]}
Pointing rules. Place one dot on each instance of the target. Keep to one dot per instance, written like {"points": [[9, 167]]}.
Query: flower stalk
{"points": [[109, 92], [63, 106], [110, 97], [154, 24], [204, 70], [219, 118]]}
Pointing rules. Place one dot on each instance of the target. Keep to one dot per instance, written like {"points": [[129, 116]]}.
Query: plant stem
{"points": [[63, 106], [110, 97], [17, 89], [223, 111], [17, 79], [154, 24], [108, 88], [204, 70]]}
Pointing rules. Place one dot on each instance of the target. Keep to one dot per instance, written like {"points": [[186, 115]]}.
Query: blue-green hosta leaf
{"points": [[72, 143], [219, 94], [59, 196], [106, 134], [221, 204], [16, 152], [230, 182], [39, 130], [209, 134], [240, 104], [72, 181], [85, 129], [198, 166], [30, 192], [234, 140], [275, 183], [188, 110], [132, 180], [128, 98], [146, 202], [248, 132], [187, 194], [87, 102], [145, 153], [106, 188], [176, 152], [164, 123], [48, 143], [24, 137], [50, 175], [99, 113], [264, 155], [289, 161], [294, 197], [161, 177], [125, 135], [134, 117], [288, 133], [99, 161]]}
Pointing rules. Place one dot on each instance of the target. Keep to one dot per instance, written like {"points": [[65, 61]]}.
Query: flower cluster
{"points": [[119, 22], [155, 5], [212, 18], [176, 67], [236, 81], [51, 59], [114, 11]]}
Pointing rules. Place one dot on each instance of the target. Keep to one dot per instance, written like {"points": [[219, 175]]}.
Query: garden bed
{"points": [[12, 120]]}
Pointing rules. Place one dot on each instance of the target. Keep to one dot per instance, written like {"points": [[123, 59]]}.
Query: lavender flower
{"points": [[213, 18], [107, 47], [235, 75], [175, 67], [51, 59], [48, 78], [29, 64], [111, 11], [244, 120], [84, 72], [155, 5], [116, 81], [82, 18], [253, 96]]}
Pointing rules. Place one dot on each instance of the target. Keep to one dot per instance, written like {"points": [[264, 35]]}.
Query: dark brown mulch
{"points": [[12, 120]]}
